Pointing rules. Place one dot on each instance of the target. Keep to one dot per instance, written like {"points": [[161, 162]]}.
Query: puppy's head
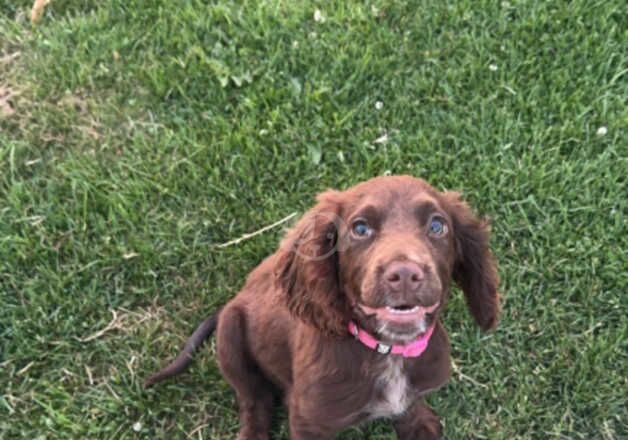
{"points": [[384, 253]]}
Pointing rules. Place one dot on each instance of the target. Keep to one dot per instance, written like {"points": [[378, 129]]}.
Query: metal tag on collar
{"points": [[383, 348]]}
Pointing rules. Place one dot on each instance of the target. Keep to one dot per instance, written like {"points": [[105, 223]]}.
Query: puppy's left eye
{"points": [[438, 226]]}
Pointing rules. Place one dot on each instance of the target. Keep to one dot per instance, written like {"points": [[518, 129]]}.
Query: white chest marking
{"points": [[395, 390]]}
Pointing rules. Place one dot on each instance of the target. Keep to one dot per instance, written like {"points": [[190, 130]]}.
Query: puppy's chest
{"points": [[393, 390]]}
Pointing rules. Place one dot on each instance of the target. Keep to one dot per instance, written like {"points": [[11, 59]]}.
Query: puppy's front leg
{"points": [[304, 428], [316, 416], [419, 422]]}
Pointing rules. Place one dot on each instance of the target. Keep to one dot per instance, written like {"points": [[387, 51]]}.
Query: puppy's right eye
{"points": [[361, 229]]}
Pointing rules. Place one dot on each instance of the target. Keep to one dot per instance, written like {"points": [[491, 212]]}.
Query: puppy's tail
{"points": [[184, 359]]}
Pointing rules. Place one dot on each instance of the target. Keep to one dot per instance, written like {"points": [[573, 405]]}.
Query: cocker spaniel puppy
{"points": [[342, 321]]}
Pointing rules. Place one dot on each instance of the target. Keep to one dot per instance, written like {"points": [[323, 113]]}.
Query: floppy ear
{"points": [[475, 269], [307, 267]]}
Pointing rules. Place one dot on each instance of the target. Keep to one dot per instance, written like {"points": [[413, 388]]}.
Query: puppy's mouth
{"points": [[402, 314]]}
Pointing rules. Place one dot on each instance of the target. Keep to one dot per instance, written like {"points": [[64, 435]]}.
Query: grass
{"points": [[138, 134]]}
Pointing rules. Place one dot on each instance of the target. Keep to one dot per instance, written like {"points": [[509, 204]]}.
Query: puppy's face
{"points": [[398, 256], [384, 253]]}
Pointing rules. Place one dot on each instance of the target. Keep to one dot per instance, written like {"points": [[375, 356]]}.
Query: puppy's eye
{"points": [[361, 229], [438, 226]]}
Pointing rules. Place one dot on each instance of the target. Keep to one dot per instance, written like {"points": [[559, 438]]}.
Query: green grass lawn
{"points": [[136, 135]]}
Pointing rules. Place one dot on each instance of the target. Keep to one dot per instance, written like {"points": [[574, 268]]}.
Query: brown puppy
{"points": [[381, 256]]}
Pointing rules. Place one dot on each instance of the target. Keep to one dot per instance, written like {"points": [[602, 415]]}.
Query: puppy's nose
{"points": [[404, 276]]}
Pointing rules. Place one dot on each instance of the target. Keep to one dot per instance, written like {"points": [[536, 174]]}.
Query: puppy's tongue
{"points": [[413, 314]]}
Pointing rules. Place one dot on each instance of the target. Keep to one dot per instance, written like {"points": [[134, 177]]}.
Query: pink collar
{"points": [[413, 349]]}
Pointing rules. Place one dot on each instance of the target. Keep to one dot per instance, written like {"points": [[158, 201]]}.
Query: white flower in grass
{"points": [[137, 426], [382, 139], [601, 131], [376, 12], [318, 16], [379, 105], [492, 67]]}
